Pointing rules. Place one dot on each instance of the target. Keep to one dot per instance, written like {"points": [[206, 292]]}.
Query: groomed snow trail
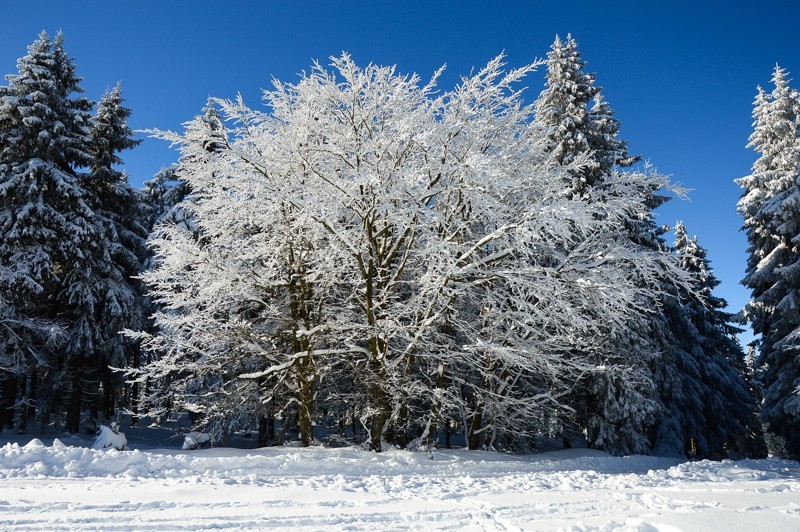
{"points": [[75, 488]]}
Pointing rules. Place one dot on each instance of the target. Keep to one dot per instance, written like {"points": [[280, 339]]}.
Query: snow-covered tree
{"points": [[615, 403], [120, 217], [563, 106], [578, 120], [24, 342], [46, 228], [417, 246], [162, 193], [769, 205], [709, 409], [608, 150]]}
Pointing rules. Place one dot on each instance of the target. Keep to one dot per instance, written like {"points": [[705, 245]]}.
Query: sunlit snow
{"points": [[64, 487]]}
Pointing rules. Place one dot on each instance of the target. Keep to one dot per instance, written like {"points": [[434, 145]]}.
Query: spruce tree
{"points": [[563, 108], [120, 219], [614, 404], [580, 123], [608, 149], [46, 227], [770, 205], [709, 408]]}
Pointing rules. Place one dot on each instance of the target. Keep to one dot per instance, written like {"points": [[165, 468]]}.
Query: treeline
{"points": [[371, 258]]}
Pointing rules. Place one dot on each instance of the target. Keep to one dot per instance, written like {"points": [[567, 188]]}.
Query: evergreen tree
{"points": [[608, 149], [770, 205], [562, 108], [580, 123], [46, 226], [709, 409], [614, 404], [119, 256]]}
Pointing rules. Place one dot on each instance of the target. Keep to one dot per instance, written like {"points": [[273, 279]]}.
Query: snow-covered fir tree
{"points": [[709, 410], [608, 150], [70, 241], [563, 107], [770, 206], [397, 258], [632, 391], [47, 232], [615, 403], [121, 218], [578, 120]]}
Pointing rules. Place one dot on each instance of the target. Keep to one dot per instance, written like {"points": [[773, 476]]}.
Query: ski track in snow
{"points": [[76, 488]]}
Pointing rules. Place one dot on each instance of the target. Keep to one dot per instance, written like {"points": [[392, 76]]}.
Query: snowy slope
{"points": [[76, 488]]}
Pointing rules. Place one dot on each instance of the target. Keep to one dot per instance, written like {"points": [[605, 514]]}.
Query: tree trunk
{"points": [[379, 418], [431, 434], [389, 433], [73, 420], [402, 422], [402, 415], [474, 436], [109, 395], [134, 404], [376, 431], [305, 385], [266, 430], [94, 414], [26, 409], [7, 400]]}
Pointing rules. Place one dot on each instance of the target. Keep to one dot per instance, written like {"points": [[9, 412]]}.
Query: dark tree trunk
{"points": [[73, 421], [306, 399], [402, 422], [25, 400], [271, 428], [379, 419], [7, 401], [134, 391], [474, 436], [266, 430], [109, 395], [94, 414], [134, 404]]}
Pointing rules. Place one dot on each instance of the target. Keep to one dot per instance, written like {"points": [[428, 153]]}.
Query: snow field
{"points": [[63, 487]]}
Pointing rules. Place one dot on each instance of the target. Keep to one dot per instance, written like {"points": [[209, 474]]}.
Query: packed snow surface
{"points": [[76, 488]]}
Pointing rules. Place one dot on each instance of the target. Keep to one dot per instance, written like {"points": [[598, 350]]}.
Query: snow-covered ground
{"points": [[64, 487]]}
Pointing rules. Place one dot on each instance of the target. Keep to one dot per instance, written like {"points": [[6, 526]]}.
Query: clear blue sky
{"points": [[680, 75]]}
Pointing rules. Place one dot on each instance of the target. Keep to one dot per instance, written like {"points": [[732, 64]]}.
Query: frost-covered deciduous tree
{"points": [[769, 205], [416, 246]]}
